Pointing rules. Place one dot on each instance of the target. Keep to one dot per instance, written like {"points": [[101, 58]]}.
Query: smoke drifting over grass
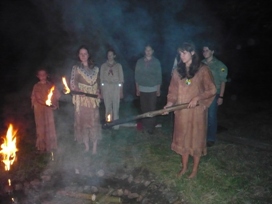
{"points": [[48, 33], [51, 31]]}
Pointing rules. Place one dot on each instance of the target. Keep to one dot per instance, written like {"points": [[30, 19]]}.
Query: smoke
{"points": [[112, 23], [54, 29], [49, 32], [127, 26]]}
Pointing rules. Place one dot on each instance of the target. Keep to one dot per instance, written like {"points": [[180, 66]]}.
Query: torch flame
{"points": [[8, 148], [66, 88], [49, 97], [108, 118]]}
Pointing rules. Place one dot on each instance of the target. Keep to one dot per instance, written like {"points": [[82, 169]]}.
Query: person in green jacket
{"points": [[220, 72]]}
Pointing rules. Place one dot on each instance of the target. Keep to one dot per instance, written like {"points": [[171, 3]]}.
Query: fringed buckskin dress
{"points": [[87, 125], [190, 126]]}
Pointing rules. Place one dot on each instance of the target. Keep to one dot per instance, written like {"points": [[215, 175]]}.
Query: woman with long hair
{"points": [[191, 83], [85, 78]]}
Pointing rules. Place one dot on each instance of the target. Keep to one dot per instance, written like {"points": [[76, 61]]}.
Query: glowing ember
{"points": [[93, 197], [8, 148], [109, 118], [66, 89], [52, 156], [8, 188], [49, 97]]}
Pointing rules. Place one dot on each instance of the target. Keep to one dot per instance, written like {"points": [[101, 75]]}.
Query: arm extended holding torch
{"points": [[67, 90], [85, 94], [146, 115]]}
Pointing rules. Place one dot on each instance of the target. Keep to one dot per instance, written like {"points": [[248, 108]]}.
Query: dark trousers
{"points": [[212, 120], [148, 103]]}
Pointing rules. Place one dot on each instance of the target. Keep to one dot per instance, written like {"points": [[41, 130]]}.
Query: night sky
{"points": [[48, 32]]}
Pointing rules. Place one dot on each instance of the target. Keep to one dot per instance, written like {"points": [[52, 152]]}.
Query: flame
{"points": [[66, 88], [108, 118], [49, 97], [9, 182], [8, 148]]}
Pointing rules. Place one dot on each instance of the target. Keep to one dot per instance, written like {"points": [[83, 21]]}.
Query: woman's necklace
{"points": [[188, 81]]}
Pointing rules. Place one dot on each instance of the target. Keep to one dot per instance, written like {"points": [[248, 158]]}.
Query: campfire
{"points": [[96, 182], [8, 151], [8, 148]]}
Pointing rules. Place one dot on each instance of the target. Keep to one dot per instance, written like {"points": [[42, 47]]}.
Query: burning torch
{"points": [[48, 102], [67, 90], [150, 114]]}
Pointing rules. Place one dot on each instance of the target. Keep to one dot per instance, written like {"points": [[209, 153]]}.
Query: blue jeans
{"points": [[212, 120]]}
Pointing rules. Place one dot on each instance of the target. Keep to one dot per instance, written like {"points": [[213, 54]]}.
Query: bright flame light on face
{"points": [[66, 88], [49, 97], [109, 118], [8, 148]]}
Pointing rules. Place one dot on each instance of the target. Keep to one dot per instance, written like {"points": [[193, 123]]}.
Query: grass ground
{"points": [[230, 173]]}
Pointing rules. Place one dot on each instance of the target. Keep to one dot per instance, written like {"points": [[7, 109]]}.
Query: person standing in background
{"points": [[148, 78], [220, 72], [112, 79], [85, 78]]}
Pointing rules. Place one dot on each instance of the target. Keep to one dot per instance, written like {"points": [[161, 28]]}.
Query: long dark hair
{"points": [[194, 66], [90, 60]]}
